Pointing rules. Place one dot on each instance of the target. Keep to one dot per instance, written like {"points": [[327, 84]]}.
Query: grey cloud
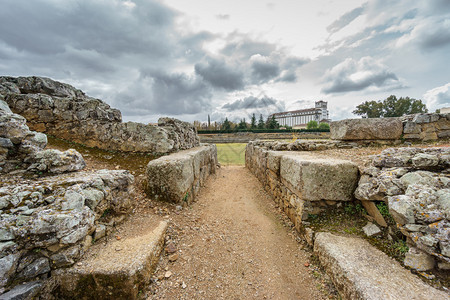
{"points": [[159, 93], [263, 71], [250, 103], [351, 75], [436, 36], [243, 47], [220, 75], [108, 28], [223, 17], [346, 19]]}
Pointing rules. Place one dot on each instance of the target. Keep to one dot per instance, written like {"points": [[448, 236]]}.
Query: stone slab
{"points": [[113, 273], [314, 179], [367, 129], [24, 291], [360, 271], [172, 178]]}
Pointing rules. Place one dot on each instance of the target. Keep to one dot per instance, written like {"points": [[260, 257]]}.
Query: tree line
{"points": [[390, 107]]}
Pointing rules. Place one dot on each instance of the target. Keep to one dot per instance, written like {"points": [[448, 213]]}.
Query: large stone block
{"points": [[316, 179], [360, 271], [114, 274], [367, 129], [172, 178]]}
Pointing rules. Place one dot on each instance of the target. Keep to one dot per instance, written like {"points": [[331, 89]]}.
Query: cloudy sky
{"points": [[188, 59]]}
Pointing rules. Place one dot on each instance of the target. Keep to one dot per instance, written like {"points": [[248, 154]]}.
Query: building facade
{"points": [[299, 118]]}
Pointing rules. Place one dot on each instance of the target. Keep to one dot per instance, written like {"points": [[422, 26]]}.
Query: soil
{"points": [[232, 244]]}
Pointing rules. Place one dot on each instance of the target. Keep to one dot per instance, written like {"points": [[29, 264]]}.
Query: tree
{"points": [[272, 123], [312, 125], [324, 126], [242, 125], [390, 107], [369, 109], [261, 123], [253, 122], [209, 122], [226, 125]]}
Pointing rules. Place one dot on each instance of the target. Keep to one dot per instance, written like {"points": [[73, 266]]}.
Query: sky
{"points": [[190, 59]]}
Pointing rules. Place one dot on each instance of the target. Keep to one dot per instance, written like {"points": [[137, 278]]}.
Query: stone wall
{"points": [[47, 221], [418, 127], [61, 110], [300, 183], [177, 177], [415, 184]]}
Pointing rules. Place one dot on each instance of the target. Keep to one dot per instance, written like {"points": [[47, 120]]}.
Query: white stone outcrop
{"points": [[414, 183]]}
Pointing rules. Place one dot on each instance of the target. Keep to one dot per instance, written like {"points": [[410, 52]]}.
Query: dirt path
{"points": [[232, 244]]}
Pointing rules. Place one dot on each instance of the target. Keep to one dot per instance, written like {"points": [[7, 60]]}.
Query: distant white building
{"points": [[445, 110], [299, 118]]}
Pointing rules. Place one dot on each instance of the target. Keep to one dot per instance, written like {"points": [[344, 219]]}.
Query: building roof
{"points": [[296, 111]]}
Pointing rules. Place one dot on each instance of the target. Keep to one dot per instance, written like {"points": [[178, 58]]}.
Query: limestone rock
{"points": [[354, 265], [56, 162], [128, 274], [316, 179], [24, 291], [367, 129], [402, 209], [418, 260], [371, 229], [176, 177]]}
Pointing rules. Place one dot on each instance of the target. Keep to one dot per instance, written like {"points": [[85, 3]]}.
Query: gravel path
{"points": [[232, 244]]}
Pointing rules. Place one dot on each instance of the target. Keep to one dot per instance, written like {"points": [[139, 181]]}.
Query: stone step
{"points": [[360, 271], [117, 270]]}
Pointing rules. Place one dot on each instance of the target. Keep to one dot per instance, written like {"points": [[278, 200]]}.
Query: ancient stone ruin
{"points": [[418, 127], [61, 110], [48, 222], [51, 211]]}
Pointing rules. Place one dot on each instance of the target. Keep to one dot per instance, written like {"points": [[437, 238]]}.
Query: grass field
{"points": [[231, 154]]}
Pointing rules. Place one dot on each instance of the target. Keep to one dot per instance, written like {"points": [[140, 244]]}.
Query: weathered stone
{"points": [[24, 291], [92, 197], [419, 177], [367, 129], [4, 106], [373, 211], [371, 229], [100, 231], [316, 179], [127, 274], [6, 143], [421, 160], [6, 235], [354, 265], [37, 267], [66, 257], [174, 177], [411, 128], [7, 267], [402, 209], [57, 162], [419, 260], [443, 200], [72, 200]]}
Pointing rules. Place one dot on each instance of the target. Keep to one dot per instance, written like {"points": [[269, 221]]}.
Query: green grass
{"points": [[231, 154]]}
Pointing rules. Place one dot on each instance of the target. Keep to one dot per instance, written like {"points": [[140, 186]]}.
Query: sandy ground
{"points": [[232, 243]]}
